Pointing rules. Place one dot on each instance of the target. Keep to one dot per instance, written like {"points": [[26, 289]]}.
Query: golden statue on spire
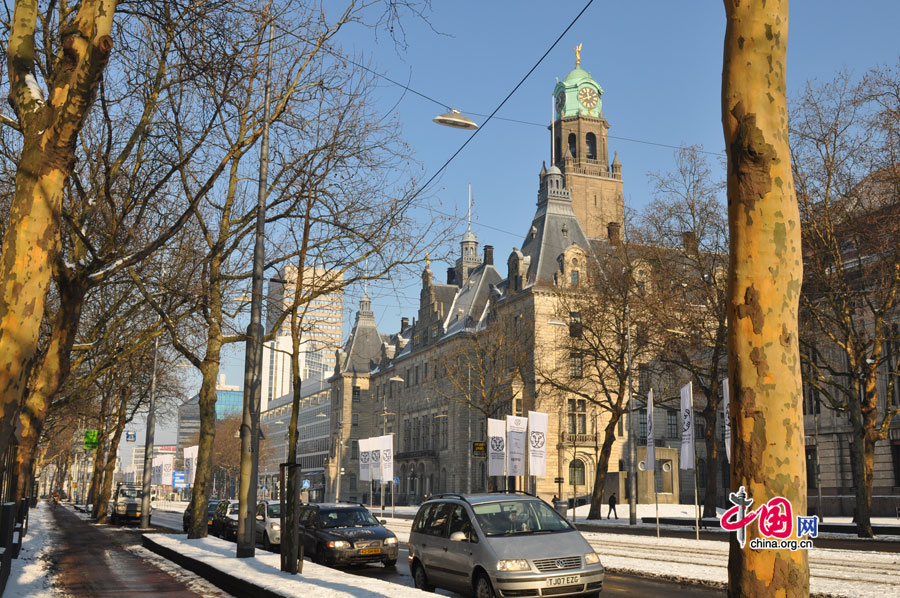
{"points": [[427, 261], [578, 55]]}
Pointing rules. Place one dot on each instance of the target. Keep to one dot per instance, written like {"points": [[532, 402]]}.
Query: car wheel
{"points": [[267, 546], [421, 579], [390, 563], [483, 587]]}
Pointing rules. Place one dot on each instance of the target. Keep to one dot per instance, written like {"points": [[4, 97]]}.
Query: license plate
{"points": [[370, 551], [563, 581]]}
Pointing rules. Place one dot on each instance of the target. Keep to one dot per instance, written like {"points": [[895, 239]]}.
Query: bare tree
{"points": [[765, 274], [844, 144], [685, 233], [592, 361]]}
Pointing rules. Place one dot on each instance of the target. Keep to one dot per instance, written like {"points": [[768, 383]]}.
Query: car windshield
{"points": [[274, 511], [518, 517], [130, 493], [232, 509], [211, 508], [346, 518]]}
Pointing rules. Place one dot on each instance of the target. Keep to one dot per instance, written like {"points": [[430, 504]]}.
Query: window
{"points": [[425, 371], [352, 482], [417, 430], [811, 467], [576, 473], [671, 424], [444, 433], [700, 426], [436, 432], [576, 365], [354, 419], [354, 449], [642, 423], [407, 377], [577, 416], [573, 145], [574, 278], [575, 324], [406, 434], [895, 454], [436, 524], [356, 394], [591, 142], [417, 375]]}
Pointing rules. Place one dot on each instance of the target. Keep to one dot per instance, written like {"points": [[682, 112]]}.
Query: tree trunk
{"points": [[99, 452], [710, 415], [609, 437], [50, 130], [290, 549], [765, 276], [110, 468], [863, 456], [203, 474]]}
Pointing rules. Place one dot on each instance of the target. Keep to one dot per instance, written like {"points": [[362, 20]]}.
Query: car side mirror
{"points": [[458, 537], [382, 521]]}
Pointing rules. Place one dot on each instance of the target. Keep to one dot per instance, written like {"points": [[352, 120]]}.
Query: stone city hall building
{"points": [[432, 386]]}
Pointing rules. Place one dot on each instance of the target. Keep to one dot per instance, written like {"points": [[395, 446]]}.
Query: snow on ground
{"points": [[263, 570], [194, 582], [29, 576]]}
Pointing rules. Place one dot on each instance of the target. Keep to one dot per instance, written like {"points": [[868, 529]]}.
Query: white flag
{"points": [[727, 401], [375, 458], [163, 467], [650, 460], [387, 458], [537, 443], [190, 464], [687, 427], [516, 430], [364, 457], [496, 447]]}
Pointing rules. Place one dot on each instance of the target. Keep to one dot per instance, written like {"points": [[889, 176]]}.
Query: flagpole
{"points": [[694, 451]]}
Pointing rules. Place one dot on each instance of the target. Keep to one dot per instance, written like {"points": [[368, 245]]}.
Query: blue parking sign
{"points": [[305, 485], [178, 479]]}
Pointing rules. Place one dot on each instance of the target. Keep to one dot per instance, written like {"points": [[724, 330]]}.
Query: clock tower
{"points": [[580, 149]]}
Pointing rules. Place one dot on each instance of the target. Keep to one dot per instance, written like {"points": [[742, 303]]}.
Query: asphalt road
{"points": [[615, 584]]}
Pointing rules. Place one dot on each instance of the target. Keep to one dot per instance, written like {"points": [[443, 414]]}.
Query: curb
{"points": [[235, 586]]}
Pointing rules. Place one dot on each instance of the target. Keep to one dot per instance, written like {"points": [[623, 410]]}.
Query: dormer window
{"points": [[574, 278]]}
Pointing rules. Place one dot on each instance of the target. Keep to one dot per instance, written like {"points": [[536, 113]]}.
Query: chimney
{"points": [[451, 275], [404, 324], [612, 232], [489, 255], [689, 240]]}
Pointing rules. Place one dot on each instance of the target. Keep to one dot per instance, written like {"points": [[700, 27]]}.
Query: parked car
{"points": [[268, 523], [343, 534], [126, 503], [500, 545], [225, 520], [187, 519]]}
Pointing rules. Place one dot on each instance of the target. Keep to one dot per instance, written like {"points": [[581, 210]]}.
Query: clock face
{"points": [[561, 103], [588, 97]]}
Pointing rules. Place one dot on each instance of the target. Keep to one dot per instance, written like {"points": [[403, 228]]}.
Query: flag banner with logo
{"points": [[687, 427], [537, 443], [375, 458], [364, 457], [161, 474], [650, 460], [496, 447], [190, 464], [516, 431], [387, 457], [727, 405]]}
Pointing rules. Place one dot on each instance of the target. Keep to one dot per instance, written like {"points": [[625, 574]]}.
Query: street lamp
{"points": [[456, 120], [632, 452], [148, 443]]}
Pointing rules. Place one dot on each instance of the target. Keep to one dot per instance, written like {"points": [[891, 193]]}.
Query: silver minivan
{"points": [[500, 546]]}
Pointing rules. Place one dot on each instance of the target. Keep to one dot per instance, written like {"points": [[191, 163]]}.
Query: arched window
{"points": [[576, 473], [591, 140], [573, 145]]}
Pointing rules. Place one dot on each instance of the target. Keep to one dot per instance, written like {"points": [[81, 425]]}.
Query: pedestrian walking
{"points": [[612, 505]]}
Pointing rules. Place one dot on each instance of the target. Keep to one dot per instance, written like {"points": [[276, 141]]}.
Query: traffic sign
{"points": [[130, 436], [479, 449], [557, 480], [91, 440], [178, 479], [305, 485], [396, 481]]}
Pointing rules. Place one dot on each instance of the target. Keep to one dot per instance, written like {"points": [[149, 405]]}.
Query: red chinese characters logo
{"points": [[775, 518]]}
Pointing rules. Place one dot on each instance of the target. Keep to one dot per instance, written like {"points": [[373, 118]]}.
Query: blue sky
{"points": [[658, 62]]}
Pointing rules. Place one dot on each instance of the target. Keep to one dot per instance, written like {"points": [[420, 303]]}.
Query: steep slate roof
{"points": [[469, 304], [363, 348], [554, 229]]}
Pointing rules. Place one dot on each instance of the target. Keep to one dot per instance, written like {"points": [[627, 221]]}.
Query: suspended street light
{"points": [[455, 119]]}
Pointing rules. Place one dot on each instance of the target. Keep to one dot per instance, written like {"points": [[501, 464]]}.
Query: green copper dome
{"points": [[578, 94]]}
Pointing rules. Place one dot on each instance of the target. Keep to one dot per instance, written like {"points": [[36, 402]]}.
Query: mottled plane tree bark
{"points": [[49, 128], [764, 280]]}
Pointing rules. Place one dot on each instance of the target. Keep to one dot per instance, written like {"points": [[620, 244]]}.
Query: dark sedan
{"points": [[186, 518], [225, 520], [346, 535]]}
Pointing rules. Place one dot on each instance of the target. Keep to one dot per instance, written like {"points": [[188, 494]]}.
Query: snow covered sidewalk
{"points": [[263, 571], [29, 575]]}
